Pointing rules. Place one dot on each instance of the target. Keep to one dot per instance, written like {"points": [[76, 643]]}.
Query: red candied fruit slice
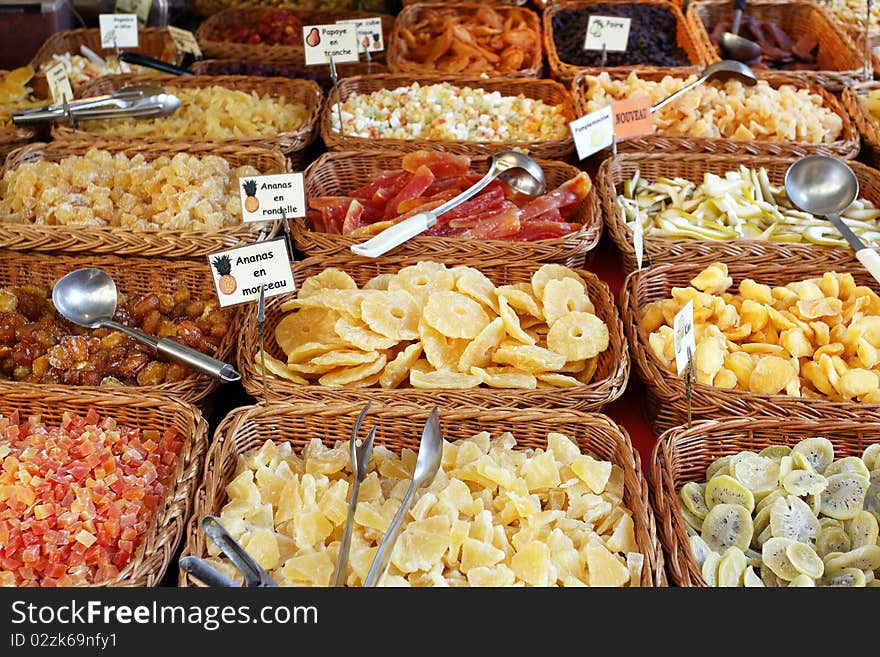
{"points": [[441, 164]]}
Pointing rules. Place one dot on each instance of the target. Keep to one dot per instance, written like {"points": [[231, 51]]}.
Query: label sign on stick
{"points": [[118, 30], [324, 41], [59, 84], [185, 40], [140, 8], [593, 132], [369, 33], [263, 198], [683, 340], [607, 33], [632, 117], [240, 273]]}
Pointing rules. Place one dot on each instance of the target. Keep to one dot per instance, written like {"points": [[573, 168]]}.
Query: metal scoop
{"points": [[137, 100], [519, 171], [733, 46], [427, 465], [825, 186], [87, 297], [723, 70]]}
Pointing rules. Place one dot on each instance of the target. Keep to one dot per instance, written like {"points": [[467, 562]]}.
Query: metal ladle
{"points": [[519, 171], [87, 297], [825, 186], [733, 46], [724, 70]]}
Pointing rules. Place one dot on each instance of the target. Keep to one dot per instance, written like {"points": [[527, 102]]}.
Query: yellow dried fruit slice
{"points": [[360, 336], [578, 335], [305, 352], [455, 315], [443, 380], [477, 286], [511, 323], [549, 272], [509, 378], [276, 368], [442, 353], [521, 298], [563, 296], [770, 375], [479, 352], [329, 279], [345, 358], [346, 375], [559, 380], [423, 279], [586, 375], [379, 282], [394, 314], [397, 370], [528, 358], [342, 301], [306, 325]]}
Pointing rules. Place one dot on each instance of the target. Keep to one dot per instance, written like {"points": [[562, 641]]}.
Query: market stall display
{"points": [[457, 536], [797, 488], [862, 101], [15, 94]]}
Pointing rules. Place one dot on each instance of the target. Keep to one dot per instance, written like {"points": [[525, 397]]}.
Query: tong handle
{"points": [[205, 573], [254, 575]]}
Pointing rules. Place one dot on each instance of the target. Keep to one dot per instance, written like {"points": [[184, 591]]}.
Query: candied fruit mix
{"points": [[76, 499], [38, 345], [493, 516], [101, 188]]}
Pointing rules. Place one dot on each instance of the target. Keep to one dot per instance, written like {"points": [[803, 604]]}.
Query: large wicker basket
{"points": [[846, 146], [547, 91], [133, 277], [125, 241], [398, 62], [144, 411], [300, 91], [217, 48], [867, 124], [152, 41], [838, 55], [681, 455], [566, 73], [665, 402], [607, 384], [337, 174], [248, 427], [692, 166], [320, 74]]}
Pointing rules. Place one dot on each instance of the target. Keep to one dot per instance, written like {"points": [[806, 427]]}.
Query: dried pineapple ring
{"points": [[345, 358], [506, 378], [476, 285], [563, 296], [342, 301], [443, 380], [511, 323], [360, 336], [578, 335], [455, 315], [479, 352], [398, 369], [549, 272], [379, 282], [329, 279], [348, 375], [521, 298], [394, 314], [423, 279], [304, 326], [528, 358], [442, 353], [277, 368]]}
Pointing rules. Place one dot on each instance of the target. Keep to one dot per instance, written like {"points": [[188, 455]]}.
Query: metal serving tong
{"points": [[360, 459], [254, 575], [136, 100]]}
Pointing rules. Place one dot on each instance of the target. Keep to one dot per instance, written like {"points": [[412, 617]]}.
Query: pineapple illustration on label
{"points": [[227, 283], [251, 203]]}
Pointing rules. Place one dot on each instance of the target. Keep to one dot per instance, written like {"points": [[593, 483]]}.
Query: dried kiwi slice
{"points": [[852, 464], [862, 529], [844, 496], [724, 489], [731, 567], [832, 539], [849, 577], [727, 525], [866, 557], [691, 495], [804, 482], [819, 452], [805, 560], [791, 517], [773, 552]]}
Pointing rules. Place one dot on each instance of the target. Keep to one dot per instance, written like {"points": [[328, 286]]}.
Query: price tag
{"points": [[639, 241], [265, 198], [593, 132], [683, 340], [322, 41], [241, 274], [185, 40], [632, 117], [140, 8], [369, 33], [59, 84], [118, 30], [607, 33]]}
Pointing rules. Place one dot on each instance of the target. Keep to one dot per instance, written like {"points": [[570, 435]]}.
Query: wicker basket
{"points": [[838, 54], [666, 404], [398, 62], [682, 455], [248, 427], [14, 136], [133, 276], [220, 49], [301, 91], [319, 74], [868, 125], [846, 146], [566, 73], [210, 7], [152, 41], [337, 174], [692, 166], [125, 241], [547, 91], [162, 536], [607, 385]]}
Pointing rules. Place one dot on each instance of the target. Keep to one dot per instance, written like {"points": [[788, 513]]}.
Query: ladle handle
{"points": [[395, 235], [138, 59], [663, 103], [739, 6], [870, 259], [197, 360]]}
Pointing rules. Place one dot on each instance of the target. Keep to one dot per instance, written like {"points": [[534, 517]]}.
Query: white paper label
{"points": [[593, 132], [322, 41], [639, 242], [239, 274], [59, 84], [185, 40], [369, 33], [683, 337], [607, 32], [118, 30], [140, 8], [263, 198]]}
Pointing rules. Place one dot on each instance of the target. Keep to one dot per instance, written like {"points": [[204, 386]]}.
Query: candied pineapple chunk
{"points": [[494, 515]]}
